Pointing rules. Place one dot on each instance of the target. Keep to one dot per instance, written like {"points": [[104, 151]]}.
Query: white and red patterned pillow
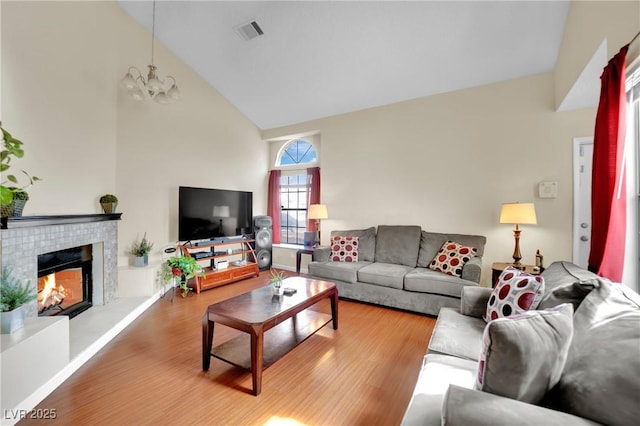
{"points": [[515, 292], [344, 249], [451, 258]]}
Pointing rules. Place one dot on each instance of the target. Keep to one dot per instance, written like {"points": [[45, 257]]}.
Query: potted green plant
{"points": [[13, 296], [275, 279], [109, 202], [11, 149], [181, 269], [140, 250]]}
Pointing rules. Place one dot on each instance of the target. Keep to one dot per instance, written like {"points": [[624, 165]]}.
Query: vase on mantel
{"points": [[109, 208], [18, 207], [6, 210]]}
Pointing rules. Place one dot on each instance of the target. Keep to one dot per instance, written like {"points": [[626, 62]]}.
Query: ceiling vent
{"points": [[249, 30]]}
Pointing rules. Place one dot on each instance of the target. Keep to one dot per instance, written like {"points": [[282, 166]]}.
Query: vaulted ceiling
{"points": [[322, 58]]}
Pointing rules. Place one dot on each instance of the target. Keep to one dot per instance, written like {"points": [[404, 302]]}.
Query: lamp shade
{"points": [[317, 211], [221, 211], [518, 213]]}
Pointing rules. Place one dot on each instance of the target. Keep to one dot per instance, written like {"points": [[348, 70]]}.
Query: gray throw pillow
{"points": [[601, 378], [523, 355], [366, 241], [566, 283], [398, 244]]}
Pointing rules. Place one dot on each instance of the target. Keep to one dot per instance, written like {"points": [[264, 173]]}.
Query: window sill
{"points": [[289, 246]]}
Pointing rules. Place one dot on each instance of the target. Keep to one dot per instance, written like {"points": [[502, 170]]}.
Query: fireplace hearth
{"points": [[65, 283]]}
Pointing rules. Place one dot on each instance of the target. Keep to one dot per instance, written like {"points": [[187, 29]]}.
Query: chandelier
{"points": [[153, 88]]}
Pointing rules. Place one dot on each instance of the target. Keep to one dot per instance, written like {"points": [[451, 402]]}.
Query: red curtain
{"points": [[273, 204], [608, 189], [313, 175]]}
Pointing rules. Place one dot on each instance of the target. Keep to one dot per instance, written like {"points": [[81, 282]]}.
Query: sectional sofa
{"points": [[577, 360], [393, 268]]}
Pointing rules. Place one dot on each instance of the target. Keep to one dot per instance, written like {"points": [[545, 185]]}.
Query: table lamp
{"points": [[518, 214], [317, 212], [221, 212]]}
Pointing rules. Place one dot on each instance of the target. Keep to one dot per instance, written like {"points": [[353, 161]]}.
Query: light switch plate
{"points": [[548, 189]]}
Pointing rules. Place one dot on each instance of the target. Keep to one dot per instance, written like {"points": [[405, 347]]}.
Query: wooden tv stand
{"points": [[214, 277]]}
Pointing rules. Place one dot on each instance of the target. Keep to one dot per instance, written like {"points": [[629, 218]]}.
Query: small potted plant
{"points": [[276, 279], [140, 250], [13, 296], [181, 269], [109, 202], [11, 149]]}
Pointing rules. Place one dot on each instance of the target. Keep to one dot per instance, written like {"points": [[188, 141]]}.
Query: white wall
{"points": [[588, 24], [61, 65], [447, 162], [58, 96]]}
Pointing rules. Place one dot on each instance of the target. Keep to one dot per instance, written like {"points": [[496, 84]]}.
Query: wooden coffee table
{"points": [[286, 318]]}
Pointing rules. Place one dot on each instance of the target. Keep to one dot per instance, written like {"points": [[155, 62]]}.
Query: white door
{"points": [[582, 168]]}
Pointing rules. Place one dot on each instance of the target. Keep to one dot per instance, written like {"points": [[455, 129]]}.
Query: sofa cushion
{"points": [[398, 244], [366, 242], [457, 335], [383, 274], [515, 292], [600, 378], [424, 280], [523, 355], [437, 374], [452, 257], [430, 243], [344, 249], [463, 407], [341, 271], [566, 283]]}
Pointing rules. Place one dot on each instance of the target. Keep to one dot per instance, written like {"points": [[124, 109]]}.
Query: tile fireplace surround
{"points": [[27, 237], [23, 239]]}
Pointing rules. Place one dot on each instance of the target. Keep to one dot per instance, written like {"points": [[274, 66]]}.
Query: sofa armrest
{"points": [[462, 406], [474, 300], [472, 269], [321, 254]]}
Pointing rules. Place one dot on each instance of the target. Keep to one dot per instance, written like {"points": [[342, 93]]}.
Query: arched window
{"points": [[298, 151], [295, 188]]}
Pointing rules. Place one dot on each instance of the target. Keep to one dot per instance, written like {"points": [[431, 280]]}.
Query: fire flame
{"points": [[51, 294]]}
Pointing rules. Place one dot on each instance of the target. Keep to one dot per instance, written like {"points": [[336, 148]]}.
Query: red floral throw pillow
{"points": [[515, 292], [344, 249], [451, 258]]}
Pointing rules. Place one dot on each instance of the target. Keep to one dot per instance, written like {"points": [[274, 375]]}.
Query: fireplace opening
{"points": [[65, 285]]}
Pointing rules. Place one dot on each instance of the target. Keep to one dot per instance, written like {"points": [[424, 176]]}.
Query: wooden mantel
{"points": [[33, 221]]}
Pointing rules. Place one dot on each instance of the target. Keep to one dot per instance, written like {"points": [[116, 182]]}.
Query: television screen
{"points": [[211, 213]]}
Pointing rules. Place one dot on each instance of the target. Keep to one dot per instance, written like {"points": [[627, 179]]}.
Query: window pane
{"points": [[294, 196], [297, 152]]}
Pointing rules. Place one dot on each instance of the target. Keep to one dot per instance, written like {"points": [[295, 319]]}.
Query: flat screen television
{"points": [[205, 213]]}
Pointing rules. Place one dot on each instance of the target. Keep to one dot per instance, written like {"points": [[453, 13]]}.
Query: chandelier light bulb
{"points": [[161, 98], [128, 82], [137, 94], [153, 87]]}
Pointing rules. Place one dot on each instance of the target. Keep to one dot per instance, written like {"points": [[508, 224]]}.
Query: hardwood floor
{"points": [[151, 373]]}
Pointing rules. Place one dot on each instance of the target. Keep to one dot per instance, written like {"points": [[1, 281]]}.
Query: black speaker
{"points": [[263, 232]]}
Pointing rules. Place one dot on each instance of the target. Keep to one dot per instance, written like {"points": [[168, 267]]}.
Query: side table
{"points": [[299, 254], [498, 267]]}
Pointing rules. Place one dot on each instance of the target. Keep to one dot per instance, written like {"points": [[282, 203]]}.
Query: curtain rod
{"points": [[635, 37]]}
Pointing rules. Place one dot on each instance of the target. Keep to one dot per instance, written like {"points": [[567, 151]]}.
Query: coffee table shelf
{"points": [[277, 341]]}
